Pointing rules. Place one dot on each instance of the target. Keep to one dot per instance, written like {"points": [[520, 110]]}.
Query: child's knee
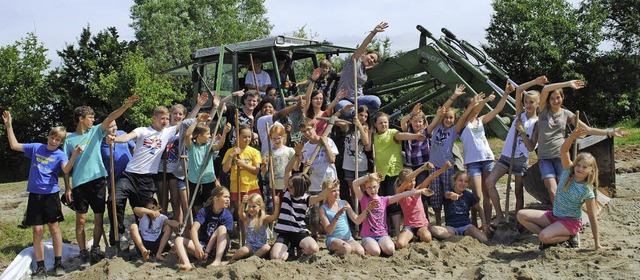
{"points": [[38, 231], [221, 230]]}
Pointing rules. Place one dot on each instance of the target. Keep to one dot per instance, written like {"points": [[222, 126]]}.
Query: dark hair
{"points": [[301, 183], [82, 111], [309, 113], [265, 101]]}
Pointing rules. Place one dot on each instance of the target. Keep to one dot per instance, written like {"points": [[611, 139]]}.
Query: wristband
{"points": [[450, 98]]}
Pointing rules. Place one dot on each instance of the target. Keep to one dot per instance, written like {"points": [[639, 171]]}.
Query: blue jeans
{"points": [[550, 168], [371, 101]]}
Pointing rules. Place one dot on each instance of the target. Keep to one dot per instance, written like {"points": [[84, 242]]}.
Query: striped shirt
{"points": [[568, 204], [293, 211]]}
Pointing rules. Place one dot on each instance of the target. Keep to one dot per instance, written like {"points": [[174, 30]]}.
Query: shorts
{"points": [[43, 209], [291, 238], [330, 239], [377, 239], [169, 176], [182, 185], [519, 164], [477, 168], [234, 196], [572, 225], [152, 246], [204, 193], [413, 230], [350, 175], [91, 194], [550, 168], [460, 230]]}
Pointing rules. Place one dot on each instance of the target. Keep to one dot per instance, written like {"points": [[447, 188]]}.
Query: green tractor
{"points": [[423, 75]]}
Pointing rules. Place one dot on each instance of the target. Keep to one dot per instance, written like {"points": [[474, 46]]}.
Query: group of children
{"points": [[251, 162]]}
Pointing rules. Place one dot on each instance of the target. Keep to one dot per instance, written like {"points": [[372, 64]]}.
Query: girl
{"points": [[416, 152], [281, 156], [210, 229], [551, 130], [388, 160], [154, 230], [315, 106], [256, 224], [443, 137], [197, 141], [375, 237], [458, 203], [291, 227], [478, 157], [579, 185], [339, 238], [524, 126], [415, 219], [247, 159]]}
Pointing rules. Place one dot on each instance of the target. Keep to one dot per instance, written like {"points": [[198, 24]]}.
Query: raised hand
{"points": [[6, 117], [576, 84], [381, 27], [490, 98], [428, 166], [416, 109], [618, 132], [343, 93], [245, 199], [542, 80], [447, 165], [204, 117], [316, 74], [509, 88], [459, 91], [216, 100], [203, 98], [227, 128], [132, 99]]}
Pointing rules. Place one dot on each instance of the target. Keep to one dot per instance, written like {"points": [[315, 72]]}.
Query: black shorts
{"points": [[44, 209], [291, 238], [203, 194], [152, 245], [91, 194], [158, 177]]}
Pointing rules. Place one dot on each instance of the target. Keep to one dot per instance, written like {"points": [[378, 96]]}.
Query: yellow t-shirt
{"points": [[248, 181]]}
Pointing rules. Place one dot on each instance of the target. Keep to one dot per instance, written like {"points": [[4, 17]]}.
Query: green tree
{"points": [[621, 22], [24, 92]]}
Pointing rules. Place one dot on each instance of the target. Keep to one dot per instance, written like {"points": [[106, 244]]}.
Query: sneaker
{"points": [[58, 269], [41, 272], [85, 261], [124, 242], [574, 241], [96, 255], [544, 246]]}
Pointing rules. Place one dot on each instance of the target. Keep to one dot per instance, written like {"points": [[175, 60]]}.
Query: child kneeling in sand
{"points": [[458, 202], [153, 232], [210, 229]]}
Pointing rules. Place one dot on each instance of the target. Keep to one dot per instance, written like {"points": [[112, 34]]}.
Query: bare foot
{"points": [[145, 255], [186, 267], [159, 258]]}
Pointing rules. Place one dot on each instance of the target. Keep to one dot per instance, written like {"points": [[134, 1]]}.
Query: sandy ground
{"points": [[463, 258]]}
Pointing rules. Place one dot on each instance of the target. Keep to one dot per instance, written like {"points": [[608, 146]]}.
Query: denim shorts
{"points": [[519, 164], [350, 175], [550, 168], [377, 239], [460, 230], [476, 168]]}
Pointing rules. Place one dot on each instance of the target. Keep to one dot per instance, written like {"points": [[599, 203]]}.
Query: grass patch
{"points": [[633, 127]]}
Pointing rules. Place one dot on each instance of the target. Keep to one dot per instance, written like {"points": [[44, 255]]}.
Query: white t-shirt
{"points": [[262, 132], [281, 158], [349, 162], [521, 149], [263, 79], [320, 169], [151, 233], [150, 144], [474, 143]]}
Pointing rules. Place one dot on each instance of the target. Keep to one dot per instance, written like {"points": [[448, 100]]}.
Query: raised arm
{"points": [[13, 142], [241, 214], [404, 136], [363, 47], [189, 132], [575, 84], [224, 101], [357, 190], [566, 146], [493, 113], [542, 80], [118, 112], [462, 122], [397, 197], [405, 120], [276, 211], [66, 167], [310, 87], [220, 144], [459, 91], [341, 94], [124, 138], [433, 175], [402, 187], [202, 99], [287, 110]]}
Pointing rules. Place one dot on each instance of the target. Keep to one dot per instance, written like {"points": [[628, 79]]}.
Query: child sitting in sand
{"points": [[153, 231], [256, 224]]}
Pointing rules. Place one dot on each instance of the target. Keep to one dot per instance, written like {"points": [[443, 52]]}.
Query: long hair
{"points": [[592, 179], [216, 192], [328, 183], [310, 113], [369, 181], [257, 199], [404, 173], [300, 184]]}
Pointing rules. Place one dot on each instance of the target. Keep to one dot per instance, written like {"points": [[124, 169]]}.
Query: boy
{"points": [[44, 200], [264, 80], [88, 188]]}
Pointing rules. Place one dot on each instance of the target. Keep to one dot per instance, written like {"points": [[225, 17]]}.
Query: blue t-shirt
{"points": [[456, 212], [210, 221], [88, 165], [568, 203], [442, 141], [121, 155], [44, 169]]}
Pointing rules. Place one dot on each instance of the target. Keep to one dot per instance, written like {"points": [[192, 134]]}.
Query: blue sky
{"points": [[57, 23]]}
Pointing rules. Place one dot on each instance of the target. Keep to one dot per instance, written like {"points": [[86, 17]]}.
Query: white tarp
{"points": [[24, 264]]}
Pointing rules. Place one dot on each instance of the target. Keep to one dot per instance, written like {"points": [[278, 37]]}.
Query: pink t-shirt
{"points": [[321, 125], [413, 211], [376, 223]]}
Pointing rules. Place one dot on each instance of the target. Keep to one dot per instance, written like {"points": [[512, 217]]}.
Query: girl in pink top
{"points": [[315, 105], [415, 218]]}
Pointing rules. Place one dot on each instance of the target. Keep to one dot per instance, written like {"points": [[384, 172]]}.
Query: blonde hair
{"points": [[404, 173], [58, 132], [160, 110], [533, 94], [179, 107], [277, 129], [328, 183], [370, 181], [592, 179], [257, 199]]}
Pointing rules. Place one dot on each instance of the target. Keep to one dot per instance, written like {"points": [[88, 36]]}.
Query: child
{"points": [[524, 126], [360, 131], [321, 168], [291, 227], [281, 156], [478, 157], [458, 203], [210, 229], [197, 141], [443, 137], [315, 105], [339, 239], [551, 131], [256, 224], [415, 218], [154, 231], [326, 81], [416, 152], [578, 185], [44, 200], [388, 160], [247, 159], [375, 237]]}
